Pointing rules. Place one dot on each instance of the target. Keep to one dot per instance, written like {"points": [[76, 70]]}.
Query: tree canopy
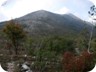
{"points": [[14, 33]]}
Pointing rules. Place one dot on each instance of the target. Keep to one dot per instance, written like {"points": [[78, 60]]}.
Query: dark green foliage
{"points": [[55, 44], [82, 39], [93, 45], [48, 51]]}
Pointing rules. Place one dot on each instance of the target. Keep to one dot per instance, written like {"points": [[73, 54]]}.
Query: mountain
{"points": [[45, 23]]}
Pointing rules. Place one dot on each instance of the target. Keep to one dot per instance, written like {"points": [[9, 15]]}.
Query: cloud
{"points": [[18, 8], [3, 17], [63, 10], [93, 1]]}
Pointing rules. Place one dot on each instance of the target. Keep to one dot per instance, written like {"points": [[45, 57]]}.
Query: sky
{"points": [[10, 9]]}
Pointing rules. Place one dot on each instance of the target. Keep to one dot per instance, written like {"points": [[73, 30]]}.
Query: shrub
{"points": [[81, 63]]}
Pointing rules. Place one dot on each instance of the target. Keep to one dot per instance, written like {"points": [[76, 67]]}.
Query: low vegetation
{"points": [[47, 53]]}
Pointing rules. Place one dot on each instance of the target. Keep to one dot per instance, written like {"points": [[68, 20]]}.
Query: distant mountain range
{"points": [[46, 23]]}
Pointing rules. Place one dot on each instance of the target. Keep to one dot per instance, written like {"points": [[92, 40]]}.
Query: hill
{"points": [[47, 23]]}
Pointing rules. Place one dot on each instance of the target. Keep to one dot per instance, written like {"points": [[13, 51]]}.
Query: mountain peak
{"points": [[42, 11], [38, 14]]}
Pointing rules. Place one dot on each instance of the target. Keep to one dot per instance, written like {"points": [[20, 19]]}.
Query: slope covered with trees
{"points": [[47, 42]]}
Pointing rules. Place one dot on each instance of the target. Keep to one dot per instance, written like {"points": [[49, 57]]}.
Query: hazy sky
{"points": [[10, 9]]}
